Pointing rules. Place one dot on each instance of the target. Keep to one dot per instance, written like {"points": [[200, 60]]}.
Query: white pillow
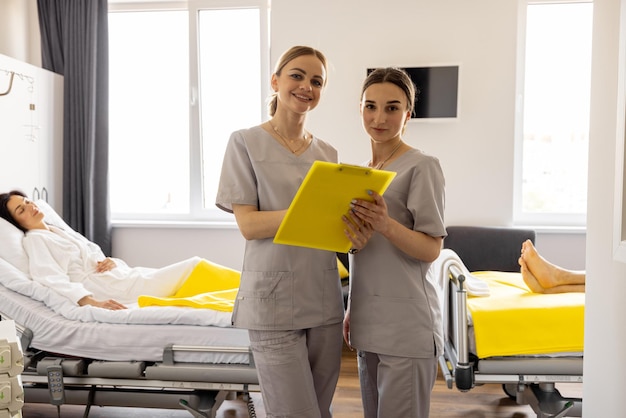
{"points": [[50, 216], [11, 248]]}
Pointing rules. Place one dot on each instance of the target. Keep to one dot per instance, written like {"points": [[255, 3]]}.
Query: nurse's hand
{"points": [[357, 231], [372, 213], [346, 330]]}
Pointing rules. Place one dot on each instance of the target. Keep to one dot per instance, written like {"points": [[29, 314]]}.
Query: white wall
{"points": [[605, 333], [19, 30], [150, 246], [480, 36]]}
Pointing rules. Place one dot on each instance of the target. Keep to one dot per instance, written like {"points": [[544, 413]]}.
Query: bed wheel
{"points": [[464, 377], [510, 390]]}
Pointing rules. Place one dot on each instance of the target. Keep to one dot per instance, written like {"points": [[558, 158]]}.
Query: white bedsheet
{"points": [[134, 334], [440, 268]]}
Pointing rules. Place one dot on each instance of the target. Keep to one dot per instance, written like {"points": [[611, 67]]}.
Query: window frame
{"points": [[552, 219], [197, 213]]}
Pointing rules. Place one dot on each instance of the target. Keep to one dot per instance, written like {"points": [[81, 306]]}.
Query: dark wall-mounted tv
{"points": [[438, 91]]}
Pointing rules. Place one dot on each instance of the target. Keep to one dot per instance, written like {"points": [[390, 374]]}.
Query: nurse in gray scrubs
{"points": [[290, 297], [394, 315]]}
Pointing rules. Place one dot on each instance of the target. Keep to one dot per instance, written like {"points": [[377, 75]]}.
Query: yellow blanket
{"points": [[515, 321], [209, 286]]}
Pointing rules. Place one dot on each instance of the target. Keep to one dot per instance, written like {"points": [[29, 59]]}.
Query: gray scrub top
{"points": [[394, 308], [282, 287]]}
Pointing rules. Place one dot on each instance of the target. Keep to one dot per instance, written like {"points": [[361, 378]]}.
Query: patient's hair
{"points": [[396, 76], [289, 55], [4, 209]]}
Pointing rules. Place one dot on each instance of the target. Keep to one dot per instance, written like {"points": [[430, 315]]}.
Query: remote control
{"points": [[55, 384]]}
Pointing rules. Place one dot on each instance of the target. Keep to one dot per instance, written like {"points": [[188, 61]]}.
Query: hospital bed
{"points": [[159, 357], [152, 357], [528, 377]]}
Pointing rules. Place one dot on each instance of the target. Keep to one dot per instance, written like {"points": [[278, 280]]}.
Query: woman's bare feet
{"points": [[544, 273], [529, 278], [541, 276]]}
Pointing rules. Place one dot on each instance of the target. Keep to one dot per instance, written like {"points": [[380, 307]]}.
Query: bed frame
{"points": [[529, 380], [199, 388]]}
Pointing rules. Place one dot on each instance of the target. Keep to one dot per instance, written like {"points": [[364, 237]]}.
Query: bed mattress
{"points": [[140, 334], [514, 321]]}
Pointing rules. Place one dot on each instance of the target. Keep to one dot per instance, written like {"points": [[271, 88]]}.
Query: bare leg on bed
{"points": [[541, 276]]}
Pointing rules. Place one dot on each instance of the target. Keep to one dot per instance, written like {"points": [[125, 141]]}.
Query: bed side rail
{"points": [[464, 369], [170, 349]]}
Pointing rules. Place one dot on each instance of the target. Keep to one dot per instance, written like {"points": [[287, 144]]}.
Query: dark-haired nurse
{"points": [[394, 314]]}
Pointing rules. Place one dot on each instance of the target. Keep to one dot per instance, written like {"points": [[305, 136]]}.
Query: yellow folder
{"points": [[314, 217]]}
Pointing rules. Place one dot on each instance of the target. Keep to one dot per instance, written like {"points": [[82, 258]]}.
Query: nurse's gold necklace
{"points": [[305, 139], [382, 163]]}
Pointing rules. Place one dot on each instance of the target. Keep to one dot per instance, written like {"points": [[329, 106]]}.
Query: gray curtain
{"points": [[74, 43]]}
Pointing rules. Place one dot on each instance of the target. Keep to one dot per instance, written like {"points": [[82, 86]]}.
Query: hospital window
{"points": [[183, 76], [552, 129]]}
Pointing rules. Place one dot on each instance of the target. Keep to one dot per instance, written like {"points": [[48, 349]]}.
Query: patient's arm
{"points": [[48, 263], [106, 304], [47, 270]]}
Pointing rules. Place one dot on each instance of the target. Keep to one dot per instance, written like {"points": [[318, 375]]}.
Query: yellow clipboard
{"points": [[314, 217]]}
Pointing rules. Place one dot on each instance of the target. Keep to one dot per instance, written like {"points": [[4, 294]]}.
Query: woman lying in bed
{"points": [[75, 267]]}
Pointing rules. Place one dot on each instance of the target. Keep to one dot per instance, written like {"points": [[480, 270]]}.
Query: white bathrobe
{"points": [[66, 262]]}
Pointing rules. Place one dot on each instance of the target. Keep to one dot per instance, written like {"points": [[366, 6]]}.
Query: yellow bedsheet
{"points": [[515, 321], [209, 286]]}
